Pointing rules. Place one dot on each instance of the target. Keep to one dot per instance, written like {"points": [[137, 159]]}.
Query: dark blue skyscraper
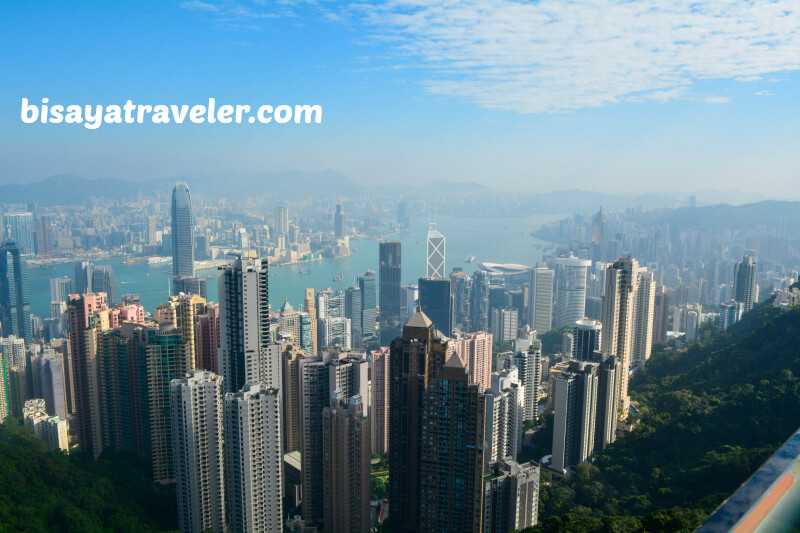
{"points": [[182, 241], [391, 296], [15, 306], [436, 301], [369, 303]]}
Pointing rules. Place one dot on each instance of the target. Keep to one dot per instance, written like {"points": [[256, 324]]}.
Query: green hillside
{"points": [[710, 416]]}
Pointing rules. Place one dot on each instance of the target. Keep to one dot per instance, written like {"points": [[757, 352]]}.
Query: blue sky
{"points": [[541, 96]]}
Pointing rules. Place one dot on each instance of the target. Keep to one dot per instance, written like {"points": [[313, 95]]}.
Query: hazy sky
{"points": [[547, 95]]}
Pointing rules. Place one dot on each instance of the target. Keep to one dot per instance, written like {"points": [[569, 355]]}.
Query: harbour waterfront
{"points": [[498, 239]]}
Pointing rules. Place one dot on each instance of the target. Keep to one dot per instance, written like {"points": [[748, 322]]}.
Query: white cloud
{"points": [[197, 5], [562, 55], [764, 93]]}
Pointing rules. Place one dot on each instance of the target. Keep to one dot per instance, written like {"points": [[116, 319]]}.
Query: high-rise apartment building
{"points": [[391, 299], [511, 497], [571, 293], [346, 453], [529, 366], [315, 396], [182, 231], [436, 254], [475, 351], [541, 299], [197, 440], [745, 288], [622, 282], [643, 318], [660, 315], [207, 339], [292, 398], [380, 373], [505, 410], [254, 459], [586, 339], [244, 322], [352, 311], [575, 395], [182, 311], [15, 306]]}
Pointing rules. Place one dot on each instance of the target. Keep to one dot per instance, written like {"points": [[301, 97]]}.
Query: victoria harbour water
{"points": [[496, 239]]}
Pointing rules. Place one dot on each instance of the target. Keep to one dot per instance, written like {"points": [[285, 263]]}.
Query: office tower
{"points": [[282, 220], [103, 281], [307, 329], [339, 224], [15, 307], [660, 315], [292, 398], [390, 292], [197, 441], [82, 348], [182, 232], [511, 497], [310, 307], [202, 247], [254, 459], [594, 308], [410, 295], [381, 386], [243, 320], [114, 360], [475, 351], [152, 230], [586, 339], [369, 304], [289, 321], [330, 304], [622, 280], [182, 312], [403, 217], [19, 228], [433, 402], [745, 289], [50, 385], [207, 339], [571, 292], [451, 459], [460, 287], [189, 285], [346, 453], [45, 235], [479, 302], [505, 324], [643, 317], [83, 277], [608, 376], [315, 395], [505, 412], [575, 404], [541, 299], [335, 332], [529, 366], [729, 314], [436, 254], [435, 301], [61, 288], [352, 311], [599, 228]]}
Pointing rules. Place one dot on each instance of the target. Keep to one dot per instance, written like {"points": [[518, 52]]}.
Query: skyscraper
{"points": [[505, 412], [352, 311], [571, 294], [380, 400], [435, 300], [310, 307], [391, 299], [61, 288], [436, 254], [643, 317], [254, 459], [475, 351], [541, 299], [20, 228], [339, 224], [436, 428], [586, 339], [511, 497], [15, 307], [574, 415], [622, 282], [346, 465], [197, 440], [528, 363], [182, 232], [660, 314], [244, 321], [608, 376], [103, 281], [369, 304], [207, 339], [745, 289], [45, 234], [315, 396], [479, 302], [292, 397], [460, 287], [83, 277]]}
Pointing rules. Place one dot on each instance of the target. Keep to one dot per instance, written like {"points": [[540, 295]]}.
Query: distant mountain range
{"points": [[295, 185]]}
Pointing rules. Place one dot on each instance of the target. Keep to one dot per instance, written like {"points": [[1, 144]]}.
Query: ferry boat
{"points": [[340, 277]]}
